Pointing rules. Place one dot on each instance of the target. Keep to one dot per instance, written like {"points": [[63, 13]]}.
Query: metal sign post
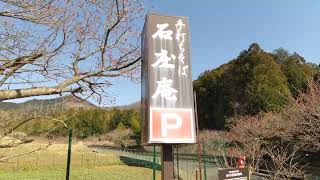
{"points": [[167, 162], [167, 95]]}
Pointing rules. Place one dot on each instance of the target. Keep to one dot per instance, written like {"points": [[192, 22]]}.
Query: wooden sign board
{"points": [[167, 94]]}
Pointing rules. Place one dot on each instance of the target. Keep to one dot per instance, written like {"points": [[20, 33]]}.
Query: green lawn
{"points": [[50, 164], [122, 172]]}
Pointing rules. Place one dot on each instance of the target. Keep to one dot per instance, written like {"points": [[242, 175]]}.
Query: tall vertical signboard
{"points": [[167, 95]]}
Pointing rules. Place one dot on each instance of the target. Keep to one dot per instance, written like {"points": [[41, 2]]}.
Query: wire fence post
{"points": [[53, 158], [81, 160], [37, 160], [95, 159], [197, 132], [154, 162], [204, 160], [69, 153], [18, 164], [197, 174]]}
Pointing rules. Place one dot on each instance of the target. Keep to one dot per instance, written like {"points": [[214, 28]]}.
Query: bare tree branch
{"points": [[66, 45]]}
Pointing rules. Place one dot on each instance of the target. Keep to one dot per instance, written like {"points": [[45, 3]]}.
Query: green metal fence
{"points": [[97, 162], [101, 162], [106, 164]]}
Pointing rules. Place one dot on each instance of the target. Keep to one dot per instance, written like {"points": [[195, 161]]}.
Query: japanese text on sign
{"points": [[167, 84]]}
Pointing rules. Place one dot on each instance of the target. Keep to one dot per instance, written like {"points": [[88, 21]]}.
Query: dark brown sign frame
{"points": [[167, 94]]}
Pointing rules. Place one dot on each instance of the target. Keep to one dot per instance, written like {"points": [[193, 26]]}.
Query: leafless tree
{"points": [[275, 140], [304, 114], [52, 47], [56, 46], [285, 162], [246, 137], [13, 121], [267, 146]]}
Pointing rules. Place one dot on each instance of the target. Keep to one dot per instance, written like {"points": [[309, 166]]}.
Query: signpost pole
{"points": [[167, 162]]}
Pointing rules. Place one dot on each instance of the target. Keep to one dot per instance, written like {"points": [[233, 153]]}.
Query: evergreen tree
{"points": [[297, 71], [250, 84]]}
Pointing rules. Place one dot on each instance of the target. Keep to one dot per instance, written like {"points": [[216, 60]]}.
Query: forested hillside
{"points": [[55, 116], [253, 83], [85, 122]]}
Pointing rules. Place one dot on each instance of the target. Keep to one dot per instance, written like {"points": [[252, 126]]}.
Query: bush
{"points": [[122, 138], [18, 136], [120, 126], [276, 140]]}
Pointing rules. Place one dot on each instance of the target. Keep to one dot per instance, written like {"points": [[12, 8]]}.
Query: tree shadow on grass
{"points": [[139, 162]]}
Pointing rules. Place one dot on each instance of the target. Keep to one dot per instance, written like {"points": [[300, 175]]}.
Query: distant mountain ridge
{"points": [[135, 106], [68, 102]]}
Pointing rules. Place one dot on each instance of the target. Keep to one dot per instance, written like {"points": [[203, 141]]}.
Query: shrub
{"points": [[18, 135], [121, 137]]}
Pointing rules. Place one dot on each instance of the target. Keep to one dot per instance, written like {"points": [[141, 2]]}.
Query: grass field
{"points": [[122, 172], [50, 164]]}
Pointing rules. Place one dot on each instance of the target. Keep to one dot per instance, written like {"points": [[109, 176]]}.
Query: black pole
{"points": [[69, 153], [167, 162]]}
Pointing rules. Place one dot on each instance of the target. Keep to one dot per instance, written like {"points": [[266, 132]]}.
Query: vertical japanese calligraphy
{"points": [[167, 95]]}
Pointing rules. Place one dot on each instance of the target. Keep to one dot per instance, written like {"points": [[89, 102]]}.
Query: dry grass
{"points": [[55, 157], [50, 163]]}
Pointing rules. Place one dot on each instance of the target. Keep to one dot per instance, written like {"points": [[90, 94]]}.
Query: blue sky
{"points": [[220, 30]]}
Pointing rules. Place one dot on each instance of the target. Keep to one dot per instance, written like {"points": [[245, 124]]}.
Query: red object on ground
{"points": [[241, 161]]}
